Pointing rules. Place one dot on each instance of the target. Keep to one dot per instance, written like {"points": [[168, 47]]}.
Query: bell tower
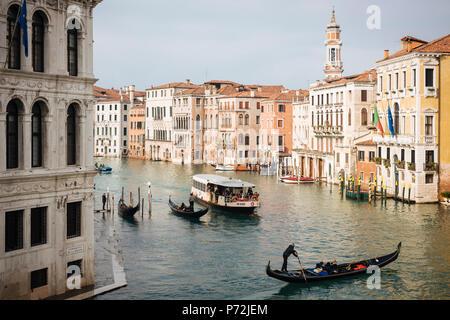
{"points": [[333, 64]]}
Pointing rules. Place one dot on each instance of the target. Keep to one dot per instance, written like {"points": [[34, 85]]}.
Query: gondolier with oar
{"points": [[290, 250], [191, 202]]}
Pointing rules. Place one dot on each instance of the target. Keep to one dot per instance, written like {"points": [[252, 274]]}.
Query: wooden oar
{"points": [[303, 272]]}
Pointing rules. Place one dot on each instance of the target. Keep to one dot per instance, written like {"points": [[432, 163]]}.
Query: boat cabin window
{"points": [[199, 186]]}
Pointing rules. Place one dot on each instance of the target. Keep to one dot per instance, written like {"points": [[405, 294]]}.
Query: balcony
{"points": [[430, 92], [388, 139], [411, 166], [429, 139], [281, 148], [377, 160], [387, 163], [431, 166], [400, 164]]}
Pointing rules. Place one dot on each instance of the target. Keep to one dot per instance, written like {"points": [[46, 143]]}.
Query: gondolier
{"points": [[290, 250], [191, 202]]}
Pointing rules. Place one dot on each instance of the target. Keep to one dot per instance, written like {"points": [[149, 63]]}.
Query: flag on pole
{"points": [[377, 121], [23, 25], [391, 122]]}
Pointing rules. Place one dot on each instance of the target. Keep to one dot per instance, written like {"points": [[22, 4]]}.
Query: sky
{"points": [[270, 42]]}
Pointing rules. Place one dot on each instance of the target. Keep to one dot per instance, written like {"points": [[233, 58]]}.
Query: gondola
{"points": [[127, 211], [186, 213], [343, 270]]}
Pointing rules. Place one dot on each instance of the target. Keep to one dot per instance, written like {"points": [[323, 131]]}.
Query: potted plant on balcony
{"points": [[387, 163], [401, 164], [430, 166], [377, 160], [411, 166]]}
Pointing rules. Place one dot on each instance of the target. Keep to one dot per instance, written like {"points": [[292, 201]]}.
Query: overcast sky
{"points": [[151, 42]]}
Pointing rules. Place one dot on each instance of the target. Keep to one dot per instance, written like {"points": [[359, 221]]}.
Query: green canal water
{"points": [[224, 256]]}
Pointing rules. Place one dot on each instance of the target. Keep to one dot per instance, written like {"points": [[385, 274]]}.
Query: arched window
{"points": [[241, 119], [364, 117], [247, 140], [13, 40], [36, 136], [71, 135], [38, 41], [72, 50], [12, 135], [246, 119]]}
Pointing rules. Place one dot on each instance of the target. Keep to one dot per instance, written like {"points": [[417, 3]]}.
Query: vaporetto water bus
{"points": [[225, 194]]}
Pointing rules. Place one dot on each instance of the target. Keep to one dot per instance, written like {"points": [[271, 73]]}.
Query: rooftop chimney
{"points": [[188, 81], [252, 93], [386, 54]]}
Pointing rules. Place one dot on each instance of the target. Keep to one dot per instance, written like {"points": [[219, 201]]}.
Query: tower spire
{"points": [[333, 17], [333, 43]]}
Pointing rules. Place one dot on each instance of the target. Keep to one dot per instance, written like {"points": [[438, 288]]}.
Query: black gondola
{"points": [[342, 270], [186, 213], [127, 211]]}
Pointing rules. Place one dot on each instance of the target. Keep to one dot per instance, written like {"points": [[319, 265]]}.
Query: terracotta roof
{"points": [[142, 106], [440, 45], [362, 77], [174, 85], [366, 143], [199, 90]]}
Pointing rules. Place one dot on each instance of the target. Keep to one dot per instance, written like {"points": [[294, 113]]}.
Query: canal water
{"points": [[224, 256]]}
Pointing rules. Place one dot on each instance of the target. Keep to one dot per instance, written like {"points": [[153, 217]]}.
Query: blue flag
{"points": [[23, 25], [391, 122]]}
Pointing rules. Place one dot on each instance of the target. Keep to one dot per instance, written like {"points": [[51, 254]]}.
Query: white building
{"points": [[188, 117], [159, 119], [46, 149], [111, 120]]}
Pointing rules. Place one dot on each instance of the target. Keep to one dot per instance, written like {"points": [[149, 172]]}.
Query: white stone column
{"points": [[3, 142], [49, 144], [26, 141]]}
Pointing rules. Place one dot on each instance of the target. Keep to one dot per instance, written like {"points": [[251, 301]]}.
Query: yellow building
{"points": [[413, 83]]}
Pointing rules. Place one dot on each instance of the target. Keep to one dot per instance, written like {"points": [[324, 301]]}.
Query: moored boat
{"points": [[242, 168], [103, 169], [341, 270], [127, 211], [227, 167], [296, 180], [225, 194], [186, 212]]}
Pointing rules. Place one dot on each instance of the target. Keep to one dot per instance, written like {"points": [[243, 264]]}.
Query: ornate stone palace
{"points": [[46, 148]]}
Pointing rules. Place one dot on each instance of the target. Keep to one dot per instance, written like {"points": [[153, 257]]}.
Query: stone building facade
{"points": [[46, 149], [409, 84]]}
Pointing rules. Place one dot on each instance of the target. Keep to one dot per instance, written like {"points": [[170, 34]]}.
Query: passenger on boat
{"points": [[183, 206], [319, 267], [290, 250], [250, 193]]}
